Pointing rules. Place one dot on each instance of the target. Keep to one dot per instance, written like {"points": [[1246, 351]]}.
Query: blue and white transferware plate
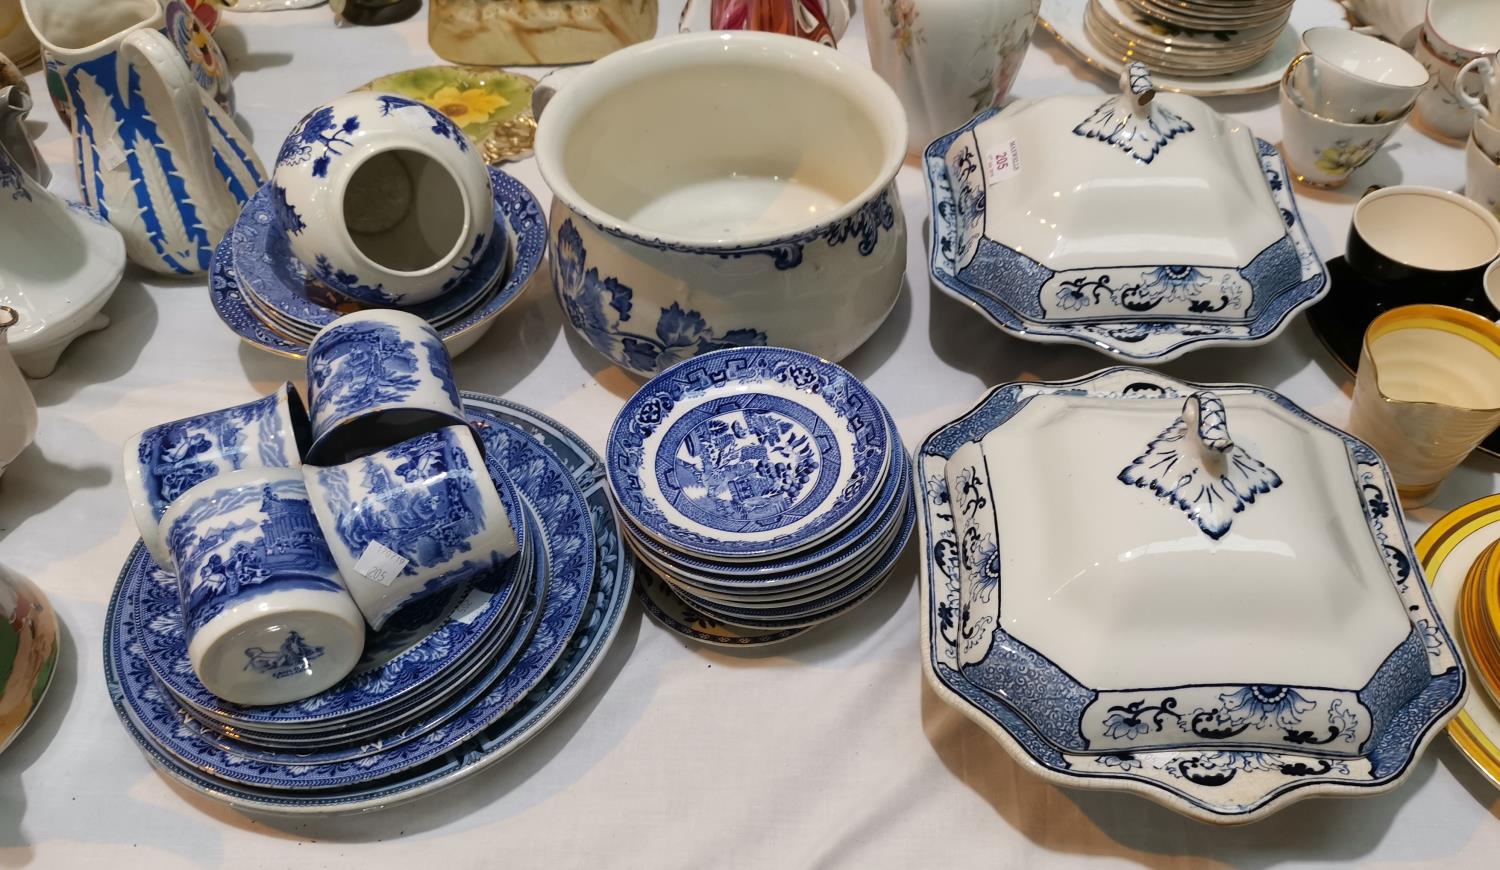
{"points": [[424, 646], [526, 237], [662, 602], [533, 691], [1142, 227], [748, 453], [269, 271], [1243, 625]]}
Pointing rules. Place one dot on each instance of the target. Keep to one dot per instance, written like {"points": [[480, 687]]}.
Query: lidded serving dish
{"points": [[1203, 594], [1143, 224]]}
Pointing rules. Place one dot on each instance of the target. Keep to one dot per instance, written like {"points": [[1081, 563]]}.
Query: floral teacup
{"points": [[1321, 152]]}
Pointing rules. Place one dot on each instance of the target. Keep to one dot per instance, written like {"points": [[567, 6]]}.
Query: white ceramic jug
{"points": [[948, 60], [17, 407]]}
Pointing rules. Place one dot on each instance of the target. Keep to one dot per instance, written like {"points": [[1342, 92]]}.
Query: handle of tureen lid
{"points": [[1204, 414], [1136, 85]]}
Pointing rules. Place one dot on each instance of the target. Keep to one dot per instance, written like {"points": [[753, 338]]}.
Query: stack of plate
{"points": [[1478, 616], [275, 303], [446, 687], [764, 490], [1188, 37]]}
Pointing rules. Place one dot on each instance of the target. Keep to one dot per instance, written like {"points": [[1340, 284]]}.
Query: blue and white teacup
{"points": [[414, 519], [374, 379], [267, 617], [165, 461]]}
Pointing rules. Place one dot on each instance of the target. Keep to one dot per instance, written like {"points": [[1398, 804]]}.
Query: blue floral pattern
{"points": [[442, 125], [599, 308], [318, 137], [350, 284], [359, 366], [291, 221]]}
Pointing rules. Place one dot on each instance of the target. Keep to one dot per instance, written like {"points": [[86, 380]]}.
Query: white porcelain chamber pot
{"points": [[722, 189]]}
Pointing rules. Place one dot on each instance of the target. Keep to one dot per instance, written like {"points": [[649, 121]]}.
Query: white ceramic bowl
{"points": [[383, 198], [719, 189]]}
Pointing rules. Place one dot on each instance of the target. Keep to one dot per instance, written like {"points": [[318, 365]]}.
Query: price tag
{"points": [[380, 563], [1002, 162]]}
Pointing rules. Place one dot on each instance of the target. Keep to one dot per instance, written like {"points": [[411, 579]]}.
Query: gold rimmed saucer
{"points": [[1477, 606]]}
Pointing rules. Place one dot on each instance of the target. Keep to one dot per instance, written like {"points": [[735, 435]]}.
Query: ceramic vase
{"points": [[156, 155], [948, 60], [18, 420]]}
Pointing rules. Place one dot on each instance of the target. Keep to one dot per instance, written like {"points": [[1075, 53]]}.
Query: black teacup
{"points": [[1415, 245]]}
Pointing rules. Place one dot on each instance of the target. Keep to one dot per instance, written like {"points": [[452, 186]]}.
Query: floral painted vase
{"points": [[491, 106], [948, 60]]}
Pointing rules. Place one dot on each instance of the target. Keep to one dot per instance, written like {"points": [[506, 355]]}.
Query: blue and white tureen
{"points": [[1143, 225], [1201, 594]]}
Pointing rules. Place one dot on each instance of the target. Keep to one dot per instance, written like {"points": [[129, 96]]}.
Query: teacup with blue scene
{"points": [[374, 379], [165, 461], [266, 613], [415, 519]]}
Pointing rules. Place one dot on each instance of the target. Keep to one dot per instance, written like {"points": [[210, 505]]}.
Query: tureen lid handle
{"points": [[1137, 87], [1204, 414]]}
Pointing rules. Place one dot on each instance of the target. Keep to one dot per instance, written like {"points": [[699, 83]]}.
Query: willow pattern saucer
{"points": [[674, 614], [748, 453]]}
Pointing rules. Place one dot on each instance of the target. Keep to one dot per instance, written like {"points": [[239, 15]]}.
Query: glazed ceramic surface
{"points": [[17, 42], [1393, 19], [29, 645], [1254, 718], [747, 453], [165, 461], [1065, 19], [948, 61], [1477, 86], [1224, 258], [18, 424], [15, 138], [164, 163], [1322, 152], [427, 501], [1438, 105], [1354, 78], [517, 213], [1483, 175], [601, 606], [747, 221], [375, 378], [530, 32], [665, 606], [59, 265], [265, 612], [822, 21], [294, 300], [383, 198], [1460, 30], [492, 107]]}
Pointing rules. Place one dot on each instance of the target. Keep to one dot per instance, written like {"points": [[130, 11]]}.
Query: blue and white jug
{"points": [[156, 156]]}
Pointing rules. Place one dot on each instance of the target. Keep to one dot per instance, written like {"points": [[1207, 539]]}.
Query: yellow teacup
{"points": [[1427, 392]]}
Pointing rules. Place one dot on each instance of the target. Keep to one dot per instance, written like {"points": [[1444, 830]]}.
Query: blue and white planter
{"points": [[375, 378], [165, 461], [1148, 312], [425, 514], [1226, 752], [383, 199], [265, 612]]}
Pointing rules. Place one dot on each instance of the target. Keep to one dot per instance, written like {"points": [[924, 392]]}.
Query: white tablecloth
{"points": [[831, 750]]}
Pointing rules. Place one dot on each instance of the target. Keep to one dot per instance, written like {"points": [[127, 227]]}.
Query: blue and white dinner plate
{"points": [[748, 453], [526, 237], [552, 687], [663, 604], [425, 646], [270, 272]]}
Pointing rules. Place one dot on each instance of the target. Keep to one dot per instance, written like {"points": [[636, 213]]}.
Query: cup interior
{"points": [[720, 138], [1427, 229], [1492, 284], [405, 211], [1435, 354], [75, 25], [1471, 26], [1365, 58]]}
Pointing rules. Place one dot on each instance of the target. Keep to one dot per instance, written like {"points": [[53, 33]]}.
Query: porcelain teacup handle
{"points": [[550, 84], [1484, 67]]}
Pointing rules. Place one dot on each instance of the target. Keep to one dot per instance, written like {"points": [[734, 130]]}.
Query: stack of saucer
{"points": [[1188, 37], [1478, 617], [764, 490]]}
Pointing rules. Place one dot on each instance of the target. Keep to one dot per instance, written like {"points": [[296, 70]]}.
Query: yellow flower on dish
{"points": [[466, 107]]}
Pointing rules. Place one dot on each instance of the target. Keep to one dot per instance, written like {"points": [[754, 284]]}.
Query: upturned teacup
{"points": [[267, 617], [383, 198], [415, 519], [1460, 30], [1354, 78], [165, 461], [376, 378]]}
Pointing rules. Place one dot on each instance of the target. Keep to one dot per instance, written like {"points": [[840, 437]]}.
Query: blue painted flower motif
{"points": [[597, 308], [349, 283], [442, 125], [1255, 705], [359, 366], [318, 129], [1124, 761], [1173, 283], [1123, 725], [1072, 296]]}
